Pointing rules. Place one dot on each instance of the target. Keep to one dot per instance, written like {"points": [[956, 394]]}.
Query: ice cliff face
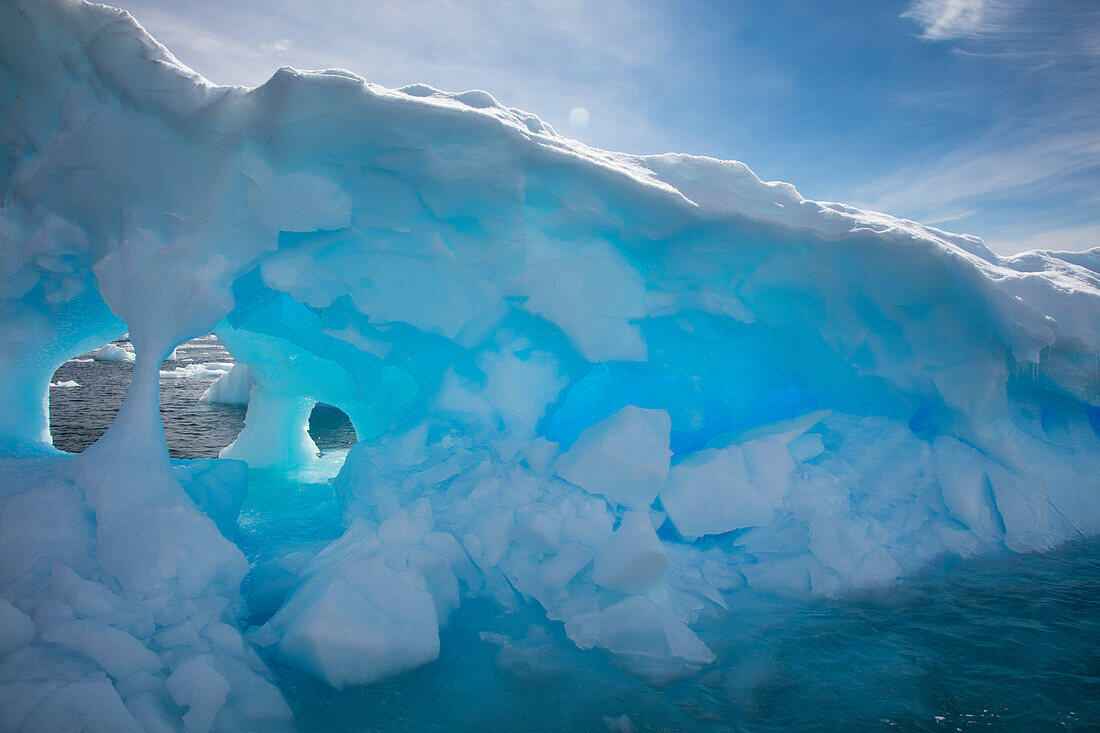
{"points": [[627, 388]]}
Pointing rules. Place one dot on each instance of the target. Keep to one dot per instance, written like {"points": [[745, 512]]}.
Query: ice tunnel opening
{"points": [[331, 429], [87, 391]]}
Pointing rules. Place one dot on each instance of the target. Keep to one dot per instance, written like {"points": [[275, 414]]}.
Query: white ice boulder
{"points": [[711, 492], [650, 641], [110, 352], [624, 457], [538, 528], [633, 560], [770, 464], [806, 447], [197, 685], [560, 569], [840, 542], [359, 624]]}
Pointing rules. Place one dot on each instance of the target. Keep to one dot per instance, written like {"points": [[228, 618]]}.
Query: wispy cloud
{"points": [[1005, 162], [1033, 34], [948, 19], [280, 46], [1068, 239], [1026, 180]]}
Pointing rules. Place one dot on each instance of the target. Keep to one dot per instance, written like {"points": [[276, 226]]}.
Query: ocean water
{"points": [[1000, 642], [79, 415], [997, 643]]}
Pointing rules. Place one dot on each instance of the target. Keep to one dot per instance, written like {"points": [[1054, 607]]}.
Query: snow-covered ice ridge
{"points": [[629, 388]]}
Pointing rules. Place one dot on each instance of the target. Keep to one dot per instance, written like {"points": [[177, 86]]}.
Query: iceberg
{"points": [[624, 388], [363, 609], [231, 388], [110, 352], [625, 457]]}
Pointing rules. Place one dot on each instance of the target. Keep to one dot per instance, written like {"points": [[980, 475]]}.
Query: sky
{"points": [[976, 116]]}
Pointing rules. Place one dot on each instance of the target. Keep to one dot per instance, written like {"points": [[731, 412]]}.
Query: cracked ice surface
{"points": [[621, 387]]}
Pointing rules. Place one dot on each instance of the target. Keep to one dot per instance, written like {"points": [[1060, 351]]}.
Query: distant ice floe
{"points": [[66, 383], [110, 352], [210, 370]]}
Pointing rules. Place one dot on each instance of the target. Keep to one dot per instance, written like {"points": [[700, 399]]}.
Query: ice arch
{"points": [[356, 229], [627, 388]]}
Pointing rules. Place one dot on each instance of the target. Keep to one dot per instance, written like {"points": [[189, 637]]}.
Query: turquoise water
{"points": [[1004, 642]]}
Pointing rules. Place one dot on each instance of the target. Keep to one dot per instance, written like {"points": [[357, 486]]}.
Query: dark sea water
{"points": [[1003, 642], [79, 415]]}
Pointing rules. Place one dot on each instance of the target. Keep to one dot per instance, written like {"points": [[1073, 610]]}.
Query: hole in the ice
{"points": [[196, 429], [331, 428], [87, 391]]}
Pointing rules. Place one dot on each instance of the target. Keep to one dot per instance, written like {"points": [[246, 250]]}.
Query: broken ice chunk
{"points": [[564, 566], [651, 641], [197, 685], [538, 528], [710, 492], [806, 447], [625, 457], [359, 624], [770, 465], [633, 560]]}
